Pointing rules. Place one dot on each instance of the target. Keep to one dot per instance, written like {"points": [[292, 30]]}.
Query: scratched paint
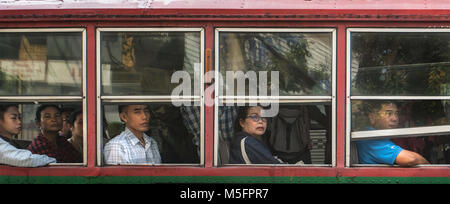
{"points": [[228, 4]]}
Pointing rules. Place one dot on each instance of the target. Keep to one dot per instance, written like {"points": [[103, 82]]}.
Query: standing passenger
{"points": [[10, 152], [48, 142], [133, 146]]}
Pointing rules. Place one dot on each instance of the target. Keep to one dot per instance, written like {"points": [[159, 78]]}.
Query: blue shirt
{"points": [[382, 151]]}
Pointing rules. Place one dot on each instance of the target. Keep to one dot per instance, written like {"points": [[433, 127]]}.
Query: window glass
{"points": [[176, 131], [41, 64], [53, 123], [142, 63], [304, 60], [401, 115], [299, 134], [399, 63], [409, 113]]}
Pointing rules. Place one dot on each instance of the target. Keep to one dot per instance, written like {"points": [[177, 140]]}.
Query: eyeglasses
{"points": [[256, 118]]}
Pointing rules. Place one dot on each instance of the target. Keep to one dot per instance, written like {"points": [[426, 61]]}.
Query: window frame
{"points": [[147, 98], [226, 99], [389, 133], [45, 98]]}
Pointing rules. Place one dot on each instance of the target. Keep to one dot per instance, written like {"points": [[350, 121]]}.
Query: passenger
{"points": [[65, 130], [10, 152], [133, 146], [247, 146], [384, 115], [75, 122], [48, 142]]}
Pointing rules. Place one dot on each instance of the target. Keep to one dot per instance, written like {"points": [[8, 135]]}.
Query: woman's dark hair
{"points": [[74, 115], [242, 113], [4, 108]]}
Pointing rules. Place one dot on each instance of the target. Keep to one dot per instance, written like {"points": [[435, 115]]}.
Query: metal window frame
{"points": [[43, 98], [147, 98], [391, 133], [281, 99]]}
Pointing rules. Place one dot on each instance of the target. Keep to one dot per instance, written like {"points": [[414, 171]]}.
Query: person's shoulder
{"points": [[117, 140]]}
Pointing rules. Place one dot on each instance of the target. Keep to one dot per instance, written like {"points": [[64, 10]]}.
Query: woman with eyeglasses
{"points": [[247, 146]]}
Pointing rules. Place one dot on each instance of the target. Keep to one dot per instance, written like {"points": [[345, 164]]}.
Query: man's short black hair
{"points": [[42, 107], [74, 115], [376, 105], [4, 108], [122, 107]]}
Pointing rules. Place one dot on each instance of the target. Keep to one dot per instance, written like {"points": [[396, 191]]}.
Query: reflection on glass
{"points": [[382, 114], [175, 129], [411, 113], [400, 63], [298, 134], [141, 63], [304, 60], [41, 64]]}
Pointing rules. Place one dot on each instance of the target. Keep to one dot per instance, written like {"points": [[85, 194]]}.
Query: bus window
{"points": [[398, 89], [291, 69]]}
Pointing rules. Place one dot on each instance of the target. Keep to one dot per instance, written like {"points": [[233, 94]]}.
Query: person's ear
{"points": [[123, 117]]}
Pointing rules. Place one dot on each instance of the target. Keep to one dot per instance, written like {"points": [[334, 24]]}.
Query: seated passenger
{"points": [[384, 115], [247, 146], [48, 142], [75, 123], [65, 130], [10, 152], [133, 146]]}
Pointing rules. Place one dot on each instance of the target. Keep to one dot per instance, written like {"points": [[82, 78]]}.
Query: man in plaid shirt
{"points": [[133, 146], [48, 142]]}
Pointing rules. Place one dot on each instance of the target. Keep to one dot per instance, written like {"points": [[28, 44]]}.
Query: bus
{"points": [[316, 63]]}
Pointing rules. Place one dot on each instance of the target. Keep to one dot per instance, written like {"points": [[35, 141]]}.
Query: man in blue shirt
{"points": [[384, 115]]}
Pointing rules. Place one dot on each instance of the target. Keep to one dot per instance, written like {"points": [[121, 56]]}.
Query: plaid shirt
{"points": [[227, 118], [127, 149], [64, 152]]}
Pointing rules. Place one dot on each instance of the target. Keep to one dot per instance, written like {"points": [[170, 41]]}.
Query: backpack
{"points": [[289, 138]]}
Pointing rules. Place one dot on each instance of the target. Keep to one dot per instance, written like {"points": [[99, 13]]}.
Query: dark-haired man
{"points": [[133, 146], [384, 115], [10, 151]]}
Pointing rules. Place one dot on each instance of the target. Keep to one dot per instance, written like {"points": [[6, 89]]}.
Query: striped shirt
{"points": [[12, 156], [127, 149]]}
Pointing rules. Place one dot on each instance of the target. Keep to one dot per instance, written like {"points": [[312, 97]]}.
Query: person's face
{"points": [[77, 129], [11, 123], [51, 120], [136, 117], [253, 123], [385, 118], [65, 125]]}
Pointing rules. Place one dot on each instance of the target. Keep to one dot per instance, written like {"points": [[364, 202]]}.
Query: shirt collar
{"points": [[134, 140]]}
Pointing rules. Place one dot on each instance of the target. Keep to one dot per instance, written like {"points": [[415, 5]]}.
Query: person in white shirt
{"points": [[133, 146], [10, 152]]}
